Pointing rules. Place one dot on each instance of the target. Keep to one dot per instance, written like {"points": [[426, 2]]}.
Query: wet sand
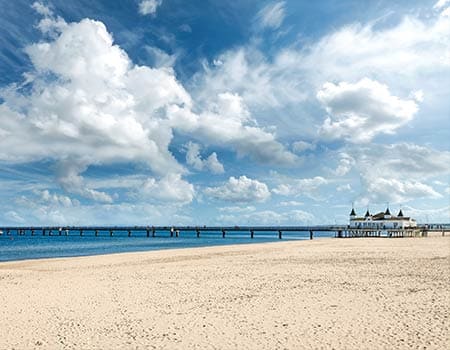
{"points": [[367, 293]]}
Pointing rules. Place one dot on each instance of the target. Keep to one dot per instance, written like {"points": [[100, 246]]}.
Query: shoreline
{"points": [[342, 294], [94, 246]]}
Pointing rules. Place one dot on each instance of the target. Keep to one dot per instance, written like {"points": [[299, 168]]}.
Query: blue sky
{"points": [[220, 112]]}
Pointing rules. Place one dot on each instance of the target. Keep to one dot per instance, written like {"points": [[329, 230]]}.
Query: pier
{"points": [[340, 231]]}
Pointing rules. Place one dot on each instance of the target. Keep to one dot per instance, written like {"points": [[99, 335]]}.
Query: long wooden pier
{"points": [[340, 231]]}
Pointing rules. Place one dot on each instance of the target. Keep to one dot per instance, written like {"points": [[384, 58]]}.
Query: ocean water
{"points": [[14, 247]]}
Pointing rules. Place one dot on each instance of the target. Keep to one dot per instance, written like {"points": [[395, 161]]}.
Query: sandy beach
{"points": [[321, 294]]}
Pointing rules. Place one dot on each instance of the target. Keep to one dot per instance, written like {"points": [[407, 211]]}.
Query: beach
{"points": [[367, 293]]}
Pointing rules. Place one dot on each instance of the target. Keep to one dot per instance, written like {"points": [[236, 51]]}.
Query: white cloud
{"points": [[247, 72], [68, 176], [300, 187], [170, 188], [360, 111], [49, 24], [160, 58], [441, 4], [398, 191], [268, 217], [411, 55], [399, 173], [290, 204], [194, 159], [56, 200], [301, 146], [226, 121], [242, 189], [89, 104], [238, 209], [422, 215], [344, 188], [346, 163], [272, 15], [149, 7]]}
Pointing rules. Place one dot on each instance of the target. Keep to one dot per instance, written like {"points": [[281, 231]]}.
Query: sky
{"points": [[211, 112]]}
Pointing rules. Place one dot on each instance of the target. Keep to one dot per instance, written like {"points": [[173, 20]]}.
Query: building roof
{"points": [[400, 213], [387, 212], [352, 213], [367, 214]]}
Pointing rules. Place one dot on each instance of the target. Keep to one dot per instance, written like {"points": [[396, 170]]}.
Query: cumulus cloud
{"points": [[272, 15], [411, 55], [149, 7], [88, 103], [399, 173], [398, 191], [55, 199], [170, 188], [360, 111], [194, 159], [241, 189], [301, 187]]}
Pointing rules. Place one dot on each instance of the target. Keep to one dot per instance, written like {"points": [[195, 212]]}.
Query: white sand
{"points": [[321, 294]]}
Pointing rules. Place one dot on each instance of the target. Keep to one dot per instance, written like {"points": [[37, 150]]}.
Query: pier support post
{"points": [[153, 232], [198, 233], [280, 234], [96, 233], [311, 234], [252, 234], [129, 233], [43, 232], [223, 233]]}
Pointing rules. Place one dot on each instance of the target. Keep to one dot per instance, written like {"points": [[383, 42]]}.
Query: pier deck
{"points": [[341, 231]]}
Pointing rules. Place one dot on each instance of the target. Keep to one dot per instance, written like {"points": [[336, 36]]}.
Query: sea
{"points": [[21, 247]]}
